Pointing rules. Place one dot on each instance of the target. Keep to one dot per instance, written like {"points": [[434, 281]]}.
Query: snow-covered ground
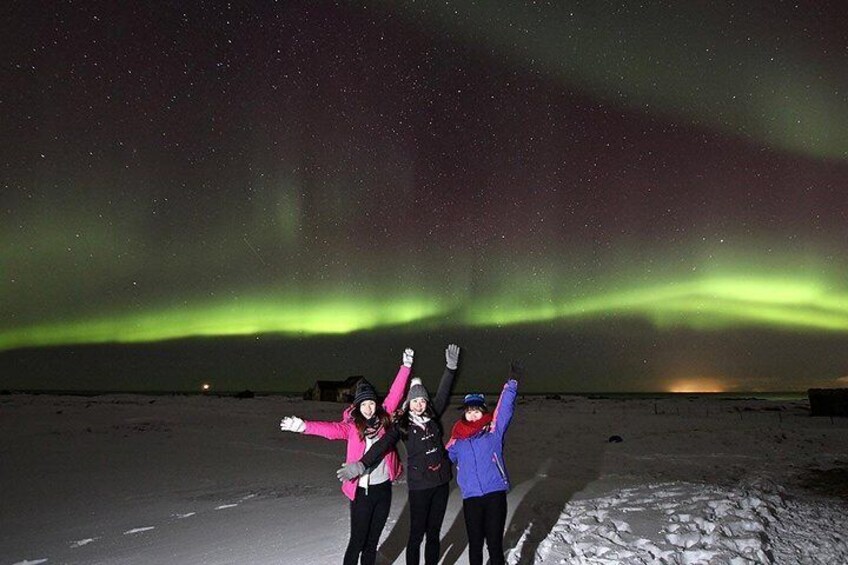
{"points": [[194, 479]]}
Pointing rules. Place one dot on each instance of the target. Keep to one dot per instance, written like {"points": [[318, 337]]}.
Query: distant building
{"points": [[333, 391], [828, 401]]}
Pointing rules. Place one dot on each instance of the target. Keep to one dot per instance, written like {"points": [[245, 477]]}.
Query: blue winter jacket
{"points": [[479, 460]]}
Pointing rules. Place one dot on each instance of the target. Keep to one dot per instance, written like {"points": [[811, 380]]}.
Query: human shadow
{"points": [[545, 474], [455, 540], [565, 465], [395, 544]]}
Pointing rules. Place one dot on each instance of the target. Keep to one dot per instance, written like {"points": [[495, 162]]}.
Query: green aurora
{"points": [[706, 66], [709, 303], [617, 192]]}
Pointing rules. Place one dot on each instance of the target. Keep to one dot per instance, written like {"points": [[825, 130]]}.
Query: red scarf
{"points": [[463, 429]]}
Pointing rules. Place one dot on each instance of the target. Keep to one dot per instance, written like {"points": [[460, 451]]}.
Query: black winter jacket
{"points": [[427, 460]]}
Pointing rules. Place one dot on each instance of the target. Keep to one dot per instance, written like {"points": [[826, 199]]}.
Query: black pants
{"points": [[426, 513], [485, 518], [368, 515]]}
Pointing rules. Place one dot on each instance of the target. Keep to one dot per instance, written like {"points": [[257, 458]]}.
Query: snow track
{"points": [[688, 523]]}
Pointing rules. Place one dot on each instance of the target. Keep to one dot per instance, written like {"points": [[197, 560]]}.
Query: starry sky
{"points": [[629, 197]]}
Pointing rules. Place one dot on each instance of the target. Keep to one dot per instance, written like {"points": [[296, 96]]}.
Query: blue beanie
{"points": [[475, 400]]}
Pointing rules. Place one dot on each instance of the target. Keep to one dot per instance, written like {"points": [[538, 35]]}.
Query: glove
{"points": [[408, 354], [350, 471], [452, 356], [516, 370], [292, 424]]}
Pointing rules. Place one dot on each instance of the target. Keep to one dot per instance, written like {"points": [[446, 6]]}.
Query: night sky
{"points": [[629, 197]]}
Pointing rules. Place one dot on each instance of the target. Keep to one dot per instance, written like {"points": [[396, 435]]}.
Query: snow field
{"points": [[132, 479], [687, 524]]}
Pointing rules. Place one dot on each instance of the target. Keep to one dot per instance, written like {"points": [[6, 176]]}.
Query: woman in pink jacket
{"points": [[362, 424]]}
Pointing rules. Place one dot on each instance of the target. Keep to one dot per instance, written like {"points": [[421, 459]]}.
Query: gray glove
{"points": [[452, 356], [292, 424], [408, 354], [350, 471]]}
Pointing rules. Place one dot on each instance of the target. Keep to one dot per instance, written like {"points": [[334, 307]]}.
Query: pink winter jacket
{"points": [[346, 429]]}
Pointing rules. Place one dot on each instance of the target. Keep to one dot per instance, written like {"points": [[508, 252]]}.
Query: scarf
{"points": [[419, 421], [463, 429], [373, 425]]}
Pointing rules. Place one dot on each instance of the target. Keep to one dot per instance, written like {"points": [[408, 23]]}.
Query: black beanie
{"points": [[364, 391]]}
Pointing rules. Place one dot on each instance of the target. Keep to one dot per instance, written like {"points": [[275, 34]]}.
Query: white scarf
{"points": [[419, 421]]}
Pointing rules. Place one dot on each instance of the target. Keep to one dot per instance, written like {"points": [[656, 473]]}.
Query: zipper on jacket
{"points": [[368, 474], [476, 474], [500, 468]]}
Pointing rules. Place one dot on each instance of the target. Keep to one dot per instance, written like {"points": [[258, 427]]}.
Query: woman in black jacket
{"points": [[428, 465]]}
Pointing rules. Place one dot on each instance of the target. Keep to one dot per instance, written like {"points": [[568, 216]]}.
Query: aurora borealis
{"points": [[624, 196]]}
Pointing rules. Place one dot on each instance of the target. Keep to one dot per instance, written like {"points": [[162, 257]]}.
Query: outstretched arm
{"points": [[292, 424], [381, 447], [329, 430], [371, 458], [440, 402], [395, 395]]}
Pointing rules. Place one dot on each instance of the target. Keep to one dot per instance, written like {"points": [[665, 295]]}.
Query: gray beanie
{"points": [[417, 390]]}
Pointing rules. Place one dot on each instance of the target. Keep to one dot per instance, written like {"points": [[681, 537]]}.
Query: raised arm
{"points": [[506, 402], [440, 402], [395, 395]]}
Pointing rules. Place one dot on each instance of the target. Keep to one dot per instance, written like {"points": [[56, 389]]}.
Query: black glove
{"points": [[516, 370]]}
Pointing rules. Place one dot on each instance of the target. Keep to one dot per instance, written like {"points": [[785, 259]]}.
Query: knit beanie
{"points": [[364, 391], [416, 390], [475, 400]]}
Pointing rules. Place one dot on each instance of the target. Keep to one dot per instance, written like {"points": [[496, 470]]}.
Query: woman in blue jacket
{"points": [[476, 447]]}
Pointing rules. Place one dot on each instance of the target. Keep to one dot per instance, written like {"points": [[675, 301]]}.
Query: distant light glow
{"points": [[697, 385]]}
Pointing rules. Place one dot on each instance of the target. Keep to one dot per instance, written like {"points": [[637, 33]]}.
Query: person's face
{"points": [[367, 408], [473, 414], [417, 406]]}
